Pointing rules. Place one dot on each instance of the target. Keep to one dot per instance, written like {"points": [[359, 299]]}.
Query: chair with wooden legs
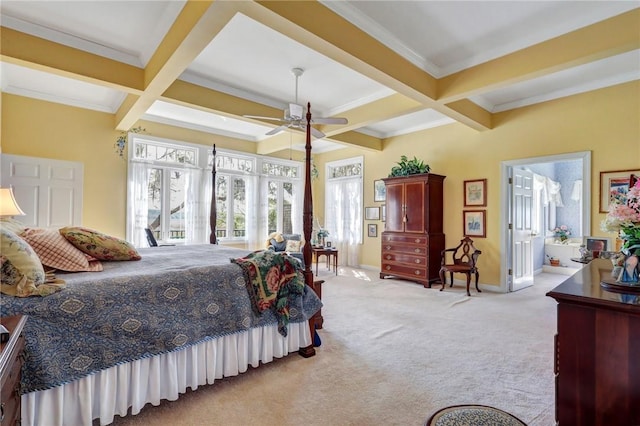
{"points": [[461, 259]]}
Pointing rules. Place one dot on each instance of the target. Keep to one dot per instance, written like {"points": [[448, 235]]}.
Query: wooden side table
{"points": [[11, 359], [330, 254]]}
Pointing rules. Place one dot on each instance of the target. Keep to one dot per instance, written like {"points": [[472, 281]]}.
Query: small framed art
{"points": [[383, 212], [379, 191], [372, 230], [474, 223], [614, 186], [475, 193], [372, 213], [596, 243]]}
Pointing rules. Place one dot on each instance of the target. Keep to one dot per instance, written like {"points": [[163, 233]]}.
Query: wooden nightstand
{"points": [[11, 359]]}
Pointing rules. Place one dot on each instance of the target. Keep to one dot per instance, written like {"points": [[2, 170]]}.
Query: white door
{"points": [[522, 227], [48, 191]]}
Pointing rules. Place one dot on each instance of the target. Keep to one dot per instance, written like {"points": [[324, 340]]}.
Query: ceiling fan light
{"points": [[294, 112]]}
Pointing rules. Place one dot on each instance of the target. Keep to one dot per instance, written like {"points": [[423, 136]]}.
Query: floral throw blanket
{"points": [[272, 279]]}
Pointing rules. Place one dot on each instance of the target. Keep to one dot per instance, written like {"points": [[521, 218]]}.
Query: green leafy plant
{"points": [[406, 167]]}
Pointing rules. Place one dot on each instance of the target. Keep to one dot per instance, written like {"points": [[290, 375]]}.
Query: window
{"points": [[284, 195], [169, 191], [166, 203], [343, 207], [234, 173]]}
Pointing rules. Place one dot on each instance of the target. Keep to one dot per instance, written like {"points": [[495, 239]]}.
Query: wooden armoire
{"points": [[413, 238]]}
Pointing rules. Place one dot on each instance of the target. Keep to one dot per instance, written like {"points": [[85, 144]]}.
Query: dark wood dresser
{"points": [[413, 238], [11, 359], [597, 351]]}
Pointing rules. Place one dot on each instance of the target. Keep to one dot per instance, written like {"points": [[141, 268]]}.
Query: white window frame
{"points": [[256, 178]]}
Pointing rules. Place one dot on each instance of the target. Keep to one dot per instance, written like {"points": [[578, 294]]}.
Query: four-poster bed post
{"points": [[213, 217]]}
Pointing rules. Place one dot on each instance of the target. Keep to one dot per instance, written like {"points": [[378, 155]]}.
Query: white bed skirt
{"points": [[112, 391]]}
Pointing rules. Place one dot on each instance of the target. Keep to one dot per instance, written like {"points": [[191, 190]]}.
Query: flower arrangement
{"points": [[562, 232], [624, 219]]}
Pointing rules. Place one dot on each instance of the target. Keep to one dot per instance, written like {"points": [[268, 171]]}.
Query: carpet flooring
{"points": [[393, 353]]}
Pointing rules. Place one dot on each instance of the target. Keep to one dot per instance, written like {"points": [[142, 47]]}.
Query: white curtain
{"points": [[138, 192], [343, 218], [194, 208], [255, 237]]}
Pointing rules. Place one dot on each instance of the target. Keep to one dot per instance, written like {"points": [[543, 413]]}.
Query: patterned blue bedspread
{"points": [[172, 298]]}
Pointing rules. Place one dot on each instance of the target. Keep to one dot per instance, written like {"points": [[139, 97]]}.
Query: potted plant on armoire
{"points": [[413, 238]]}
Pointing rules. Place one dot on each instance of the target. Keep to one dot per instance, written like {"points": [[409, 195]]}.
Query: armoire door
{"points": [[395, 207], [414, 205]]}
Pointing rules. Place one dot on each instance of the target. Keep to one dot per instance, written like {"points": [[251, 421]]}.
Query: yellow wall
{"points": [[604, 122]]}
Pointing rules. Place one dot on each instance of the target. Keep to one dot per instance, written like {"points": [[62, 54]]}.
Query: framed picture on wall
{"points": [[379, 191], [475, 193], [372, 230], [596, 243], [614, 186], [474, 223], [372, 213], [383, 212]]}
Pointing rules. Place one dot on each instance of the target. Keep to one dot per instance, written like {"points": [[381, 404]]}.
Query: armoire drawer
{"points": [[404, 248], [403, 238], [415, 272], [398, 257]]}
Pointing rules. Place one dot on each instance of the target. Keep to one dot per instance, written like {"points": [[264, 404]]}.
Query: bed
{"points": [[140, 332]]}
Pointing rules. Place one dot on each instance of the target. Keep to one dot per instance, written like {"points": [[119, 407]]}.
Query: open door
{"points": [[522, 226]]}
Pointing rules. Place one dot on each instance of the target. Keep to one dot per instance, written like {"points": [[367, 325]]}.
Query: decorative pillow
{"points": [[293, 246], [15, 283], [99, 245], [22, 256], [12, 225], [279, 246], [56, 252]]}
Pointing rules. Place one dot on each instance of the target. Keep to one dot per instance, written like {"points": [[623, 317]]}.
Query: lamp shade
{"points": [[8, 204]]}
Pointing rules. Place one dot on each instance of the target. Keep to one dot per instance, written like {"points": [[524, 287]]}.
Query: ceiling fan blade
{"points": [[317, 133], [263, 118], [276, 130], [330, 120]]}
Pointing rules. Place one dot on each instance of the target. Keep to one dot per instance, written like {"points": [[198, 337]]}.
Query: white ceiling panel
{"points": [[249, 56], [36, 84]]}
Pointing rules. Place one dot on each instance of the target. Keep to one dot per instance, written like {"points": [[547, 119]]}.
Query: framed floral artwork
{"points": [[614, 186], [475, 193], [474, 223], [372, 230]]}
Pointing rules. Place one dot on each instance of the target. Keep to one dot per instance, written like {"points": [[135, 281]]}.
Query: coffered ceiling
{"points": [[389, 67]]}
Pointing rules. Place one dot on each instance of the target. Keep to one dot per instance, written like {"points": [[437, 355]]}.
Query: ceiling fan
{"points": [[294, 116]]}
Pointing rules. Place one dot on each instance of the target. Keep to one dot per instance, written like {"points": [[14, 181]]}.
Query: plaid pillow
{"points": [[56, 252]]}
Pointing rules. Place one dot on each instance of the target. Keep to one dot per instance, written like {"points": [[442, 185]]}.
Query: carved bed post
{"points": [[213, 216], [307, 225]]}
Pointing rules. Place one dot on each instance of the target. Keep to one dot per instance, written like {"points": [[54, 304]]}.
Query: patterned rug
{"points": [[473, 415]]}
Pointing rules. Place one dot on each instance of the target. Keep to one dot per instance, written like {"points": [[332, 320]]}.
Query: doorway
{"points": [[521, 261]]}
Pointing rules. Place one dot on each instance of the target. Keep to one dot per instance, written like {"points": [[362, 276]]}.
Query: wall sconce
{"points": [[8, 204]]}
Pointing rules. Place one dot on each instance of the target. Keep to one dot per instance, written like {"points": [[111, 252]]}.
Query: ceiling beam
{"points": [[194, 28], [603, 39], [43, 55]]}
